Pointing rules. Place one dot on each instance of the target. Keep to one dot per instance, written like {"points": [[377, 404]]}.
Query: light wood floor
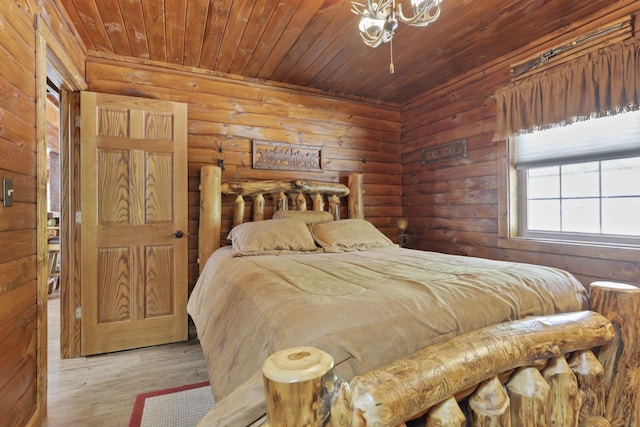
{"points": [[100, 390]]}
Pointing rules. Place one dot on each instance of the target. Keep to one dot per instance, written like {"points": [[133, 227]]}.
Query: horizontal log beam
{"points": [[620, 303], [408, 387], [405, 388], [252, 188]]}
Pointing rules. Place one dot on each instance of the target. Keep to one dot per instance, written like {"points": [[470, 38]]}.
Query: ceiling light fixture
{"points": [[379, 19]]}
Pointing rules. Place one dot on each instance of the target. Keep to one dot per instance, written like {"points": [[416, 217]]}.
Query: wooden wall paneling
{"points": [[196, 22], [316, 43], [17, 244], [328, 62], [211, 114], [175, 29], [227, 86], [315, 28], [17, 42], [74, 19], [21, 216], [134, 28], [87, 17], [23, 251], [109, 14], [227, 95], [269, 37], [21, 24], [453, 205], [301, 19], [322, 50], [209, 46], [18, 139], [335, 65], [245, 22], [267, 124], [154, 24], [18, 368], [228, 113]]}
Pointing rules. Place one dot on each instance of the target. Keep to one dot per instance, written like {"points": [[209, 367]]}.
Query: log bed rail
{"points": [[538, 371], [574, 369]]}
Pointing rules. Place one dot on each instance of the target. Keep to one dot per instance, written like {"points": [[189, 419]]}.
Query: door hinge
{"points": [[77, 121], [78, 312], [78, 217]]}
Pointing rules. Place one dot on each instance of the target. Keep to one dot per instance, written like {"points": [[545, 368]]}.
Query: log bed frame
{"points": [[575, 369]]}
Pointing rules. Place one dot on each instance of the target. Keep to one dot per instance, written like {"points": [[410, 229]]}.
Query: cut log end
{"points": [[297, 364], [620, 303], [297, 381]]}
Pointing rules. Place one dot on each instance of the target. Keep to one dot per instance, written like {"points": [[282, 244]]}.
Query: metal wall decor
{"points": [[283, 156], [451, 150]]}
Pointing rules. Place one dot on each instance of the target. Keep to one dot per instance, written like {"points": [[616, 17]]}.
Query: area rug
{"points": [[182, 406]]}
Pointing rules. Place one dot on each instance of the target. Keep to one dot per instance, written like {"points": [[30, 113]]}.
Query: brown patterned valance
{"points": [[603, 82]]}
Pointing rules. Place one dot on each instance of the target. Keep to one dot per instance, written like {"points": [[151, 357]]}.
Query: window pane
{"points": [[543, 215], [581, 215], [621, 177], [574, 182], [621, 216], [543, 183], [581, 180]]}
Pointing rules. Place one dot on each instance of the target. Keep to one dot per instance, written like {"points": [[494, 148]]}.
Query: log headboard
{"points": [[321, 195]]}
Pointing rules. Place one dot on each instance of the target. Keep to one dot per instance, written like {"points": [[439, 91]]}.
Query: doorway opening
{"points": [[54, 211]]}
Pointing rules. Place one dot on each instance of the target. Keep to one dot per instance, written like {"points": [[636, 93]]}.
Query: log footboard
{"points": [[477, 363], [539, 371]]}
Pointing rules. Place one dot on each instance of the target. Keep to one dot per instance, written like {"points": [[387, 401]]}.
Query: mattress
{"points": [[365, 308]]}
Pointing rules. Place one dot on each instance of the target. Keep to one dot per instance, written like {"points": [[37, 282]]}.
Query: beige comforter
{"points": [[364, 308]]}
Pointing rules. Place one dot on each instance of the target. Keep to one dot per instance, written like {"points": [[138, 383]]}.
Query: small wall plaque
{"points": [[283, 156], [451, 150]]}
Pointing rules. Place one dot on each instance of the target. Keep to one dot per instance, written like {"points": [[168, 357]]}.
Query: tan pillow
{"points": [[308, 217], [349, 235], [271, 237]]}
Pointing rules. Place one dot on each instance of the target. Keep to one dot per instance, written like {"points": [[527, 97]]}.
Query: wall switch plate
{"points": [[7, 192]]}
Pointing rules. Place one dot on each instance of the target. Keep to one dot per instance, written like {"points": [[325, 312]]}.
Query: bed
{"points": [[317, 320]]}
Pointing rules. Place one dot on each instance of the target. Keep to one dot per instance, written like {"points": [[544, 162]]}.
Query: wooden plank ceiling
{"points": [[315, 43]]}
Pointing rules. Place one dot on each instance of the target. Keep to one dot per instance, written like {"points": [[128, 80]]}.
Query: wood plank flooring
{"points": [[100, 390]]}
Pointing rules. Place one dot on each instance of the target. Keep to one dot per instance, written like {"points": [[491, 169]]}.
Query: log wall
{"points": [[453, 206], [21, 381], [225, 114]]}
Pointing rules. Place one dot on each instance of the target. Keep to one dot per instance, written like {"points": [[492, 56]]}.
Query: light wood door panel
{"points": [[134, 201]]}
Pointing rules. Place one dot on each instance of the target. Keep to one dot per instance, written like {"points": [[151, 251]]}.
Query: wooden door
{"points": [[133, 222]]}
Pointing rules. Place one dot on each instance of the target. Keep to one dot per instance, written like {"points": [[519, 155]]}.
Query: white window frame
{"points": [[509, 220]]}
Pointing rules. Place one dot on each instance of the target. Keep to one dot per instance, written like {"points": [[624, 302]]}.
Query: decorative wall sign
{"points": [[451, 150], [283, 156]]}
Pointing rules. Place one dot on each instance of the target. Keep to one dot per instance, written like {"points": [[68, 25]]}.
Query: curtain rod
{"points": [[544, 57]]}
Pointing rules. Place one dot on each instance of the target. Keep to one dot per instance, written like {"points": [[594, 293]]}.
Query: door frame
{"points": [[53, 61]]}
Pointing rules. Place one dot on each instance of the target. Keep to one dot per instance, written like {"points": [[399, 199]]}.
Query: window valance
{"points": [[601, 83]]}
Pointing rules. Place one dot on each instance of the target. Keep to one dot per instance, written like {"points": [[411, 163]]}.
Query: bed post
{"points": [[210, 213], [620, 303], [356, 195], [302, 388]]}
